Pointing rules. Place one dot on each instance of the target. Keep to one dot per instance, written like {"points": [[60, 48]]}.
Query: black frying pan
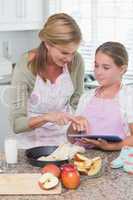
{"points": [[34, 153]]}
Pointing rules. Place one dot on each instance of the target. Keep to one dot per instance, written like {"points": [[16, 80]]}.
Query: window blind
{"points": [[100, 21]]}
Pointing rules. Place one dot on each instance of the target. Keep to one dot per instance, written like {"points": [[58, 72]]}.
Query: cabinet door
{"points": [[22, 14], [34, 10], [2, 10], [8, 11], [33, 14], [7, 14]]}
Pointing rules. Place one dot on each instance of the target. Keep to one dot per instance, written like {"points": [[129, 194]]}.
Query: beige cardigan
{"points": [[23, 82]]}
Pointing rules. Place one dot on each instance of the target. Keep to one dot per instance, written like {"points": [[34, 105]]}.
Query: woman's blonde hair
{"points": [[59, 29]]}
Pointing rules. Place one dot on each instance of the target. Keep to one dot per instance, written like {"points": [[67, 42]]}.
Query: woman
{"points": [[108, 109], [47, 81]]}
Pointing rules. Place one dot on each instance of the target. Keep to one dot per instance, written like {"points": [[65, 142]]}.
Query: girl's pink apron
{"points": [[47, 97], [105, 118]]}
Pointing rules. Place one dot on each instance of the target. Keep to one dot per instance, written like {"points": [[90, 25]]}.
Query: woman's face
{"points": [[106, 71], [61, 55]]}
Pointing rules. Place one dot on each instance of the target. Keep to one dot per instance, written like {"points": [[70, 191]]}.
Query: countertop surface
{"points": [[112, 184]]}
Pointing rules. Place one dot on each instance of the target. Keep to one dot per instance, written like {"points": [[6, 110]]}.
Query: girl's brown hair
{"points": [[116, 51], [59, 29]]}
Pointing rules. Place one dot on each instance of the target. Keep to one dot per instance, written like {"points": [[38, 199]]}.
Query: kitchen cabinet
{"points": [[22, 14]]}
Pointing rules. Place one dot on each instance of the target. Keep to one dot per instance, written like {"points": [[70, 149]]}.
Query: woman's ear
{"points": [[47, 45]]}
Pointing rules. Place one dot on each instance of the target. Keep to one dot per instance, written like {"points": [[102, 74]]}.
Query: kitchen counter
{"points": [[113, 184]]}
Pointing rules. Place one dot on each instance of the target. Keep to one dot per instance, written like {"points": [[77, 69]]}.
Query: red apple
{"points": [[70, 176], [52, 168], [48, 181]]}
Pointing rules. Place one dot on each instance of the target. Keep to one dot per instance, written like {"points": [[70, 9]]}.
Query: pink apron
{"points": [[47, 97], [105, 118]]}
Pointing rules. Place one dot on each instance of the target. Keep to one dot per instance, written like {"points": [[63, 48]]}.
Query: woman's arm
{"points": [[60, 118], [22, 82]]}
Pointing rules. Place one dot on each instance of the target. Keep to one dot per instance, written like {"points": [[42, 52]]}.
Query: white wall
{"points": [[17, 42]]}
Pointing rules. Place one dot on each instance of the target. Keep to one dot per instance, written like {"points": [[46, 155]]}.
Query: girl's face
{"points": [[106, 71], [61, 55]]}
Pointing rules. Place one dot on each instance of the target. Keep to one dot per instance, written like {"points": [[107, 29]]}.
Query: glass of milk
{"points": [[11, 152]]}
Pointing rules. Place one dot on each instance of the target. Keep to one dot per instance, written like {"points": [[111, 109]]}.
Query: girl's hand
{"points": [[61, 118], [81, 124], [100, 143]]}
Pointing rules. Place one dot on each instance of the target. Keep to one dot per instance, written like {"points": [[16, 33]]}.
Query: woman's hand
{"points": [[102, 144], [61, 118], [81, 124]]}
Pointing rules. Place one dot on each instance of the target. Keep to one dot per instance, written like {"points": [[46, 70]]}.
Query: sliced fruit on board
{"points": [[48, 181]]}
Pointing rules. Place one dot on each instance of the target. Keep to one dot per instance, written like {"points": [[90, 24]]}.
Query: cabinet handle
{"points": [[20, 8]]}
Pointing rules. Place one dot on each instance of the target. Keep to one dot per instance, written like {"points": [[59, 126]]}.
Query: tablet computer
{"points": [[108, 138]]}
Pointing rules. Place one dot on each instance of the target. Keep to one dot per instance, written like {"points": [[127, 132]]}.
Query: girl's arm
{"points": [[80, 125], [102, 144]]}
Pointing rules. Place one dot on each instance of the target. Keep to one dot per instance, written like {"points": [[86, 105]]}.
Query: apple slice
{"points": [[48, 181], [95, 166], [82, 170], [79, 164], [83, 166], [80, 157], [88, 163], [95, 158]]}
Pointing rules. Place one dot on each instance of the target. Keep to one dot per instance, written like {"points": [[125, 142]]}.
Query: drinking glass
{"points": [[11, 151]]}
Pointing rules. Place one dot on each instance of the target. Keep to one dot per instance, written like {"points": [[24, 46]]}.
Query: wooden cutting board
{"points": [[24, 183]]}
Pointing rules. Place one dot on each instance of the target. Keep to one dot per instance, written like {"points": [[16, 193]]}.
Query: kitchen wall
{"points": [[14, 43]]}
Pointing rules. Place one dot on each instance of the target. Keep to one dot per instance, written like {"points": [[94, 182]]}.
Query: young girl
{"points": [[108, 109]]}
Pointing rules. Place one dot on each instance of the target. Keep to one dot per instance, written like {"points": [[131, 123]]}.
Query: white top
{"points": [[48, 97], [51, 97], [125, 98]]}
